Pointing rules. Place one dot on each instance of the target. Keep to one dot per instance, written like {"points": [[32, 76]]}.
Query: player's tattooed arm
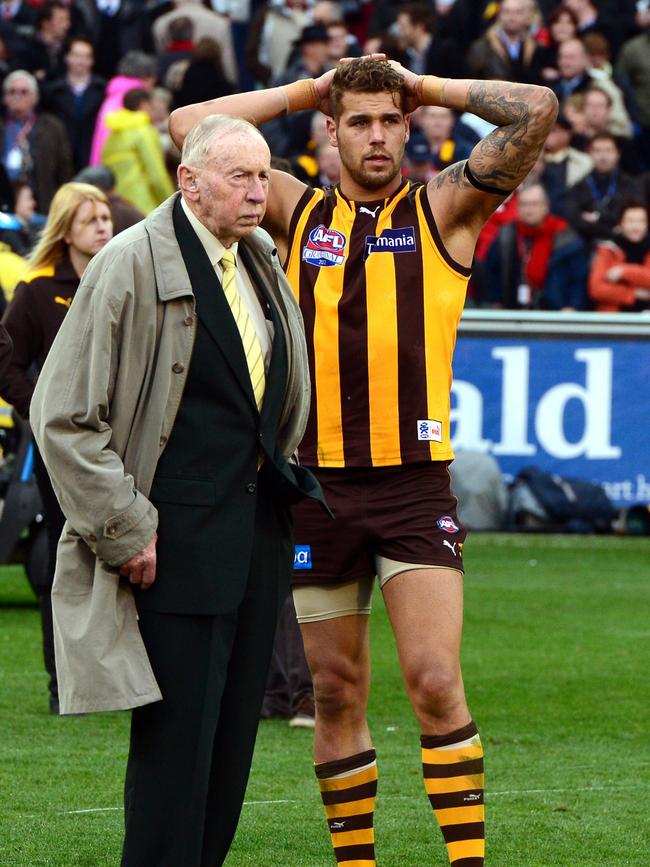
{"points": [[523, 116]]}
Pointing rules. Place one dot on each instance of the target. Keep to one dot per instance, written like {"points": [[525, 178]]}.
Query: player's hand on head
{"points": [[322, 85], [412, 86]]}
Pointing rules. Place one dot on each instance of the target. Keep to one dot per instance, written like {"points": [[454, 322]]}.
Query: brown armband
{"points": [[431, 90], [300, 95]]}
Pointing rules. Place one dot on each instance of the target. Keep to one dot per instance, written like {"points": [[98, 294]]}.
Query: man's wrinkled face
{"points": [[370, 134], [233, 185]]}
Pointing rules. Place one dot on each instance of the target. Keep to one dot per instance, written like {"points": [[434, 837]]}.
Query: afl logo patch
{"points": [[447, 524], [325, 247]]}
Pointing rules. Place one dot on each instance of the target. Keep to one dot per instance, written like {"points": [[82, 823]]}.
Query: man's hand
{"points": [[141, 568], [615, 274], [412, 86], [322, 85]]}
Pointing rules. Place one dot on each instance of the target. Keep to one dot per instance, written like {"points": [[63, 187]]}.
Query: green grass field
{"points": [[556, 652]]}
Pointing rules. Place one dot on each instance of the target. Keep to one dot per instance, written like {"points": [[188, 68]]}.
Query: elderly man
{"points": [[165, 413], [35, 145]]}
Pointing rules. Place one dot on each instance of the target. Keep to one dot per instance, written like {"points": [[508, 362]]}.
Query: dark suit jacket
{"points": [[80, 125], [207, 484], [5, 348]]}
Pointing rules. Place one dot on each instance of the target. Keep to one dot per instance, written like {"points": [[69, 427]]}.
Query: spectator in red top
{"points": [[620, 273]]}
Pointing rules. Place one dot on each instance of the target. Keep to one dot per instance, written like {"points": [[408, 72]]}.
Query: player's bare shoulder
{"points": [[285, 191]]}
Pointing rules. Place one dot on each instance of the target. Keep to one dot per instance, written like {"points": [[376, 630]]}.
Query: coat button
{"points": [[92, 537], [251, 487], [177, 367], [188, 320], [162, 440], [111, 531]]}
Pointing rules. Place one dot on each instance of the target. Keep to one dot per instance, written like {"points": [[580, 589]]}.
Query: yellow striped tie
{"points": [[249, 338]]}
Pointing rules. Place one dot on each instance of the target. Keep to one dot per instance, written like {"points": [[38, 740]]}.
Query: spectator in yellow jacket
{"points": [[134, 154]]}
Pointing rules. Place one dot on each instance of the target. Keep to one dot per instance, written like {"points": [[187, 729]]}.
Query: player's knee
{"points": [[338, 689], [434, 690]]}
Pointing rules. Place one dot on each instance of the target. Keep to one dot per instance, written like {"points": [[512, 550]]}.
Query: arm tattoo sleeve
{"points": [[523, 115]]}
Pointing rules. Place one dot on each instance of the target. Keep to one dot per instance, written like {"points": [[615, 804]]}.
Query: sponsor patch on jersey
{"points": [[325, 247], [391, 241], [302, 557], [447, 524], [430, 429]]}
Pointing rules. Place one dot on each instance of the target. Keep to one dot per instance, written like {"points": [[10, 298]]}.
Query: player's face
{"points": [[370, 135]]}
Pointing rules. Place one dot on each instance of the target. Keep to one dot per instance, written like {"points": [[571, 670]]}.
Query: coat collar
{"points": [[172, 279]]}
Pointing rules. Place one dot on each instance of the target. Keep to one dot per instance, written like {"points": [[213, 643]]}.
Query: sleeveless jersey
{"points": [[381, 299]]}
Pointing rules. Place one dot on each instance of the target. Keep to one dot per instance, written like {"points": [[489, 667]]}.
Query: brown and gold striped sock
{"points": [[453, 778], [348, 788]]}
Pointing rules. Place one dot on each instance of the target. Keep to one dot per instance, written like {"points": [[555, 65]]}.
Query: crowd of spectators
{"points": [[88, 85]]}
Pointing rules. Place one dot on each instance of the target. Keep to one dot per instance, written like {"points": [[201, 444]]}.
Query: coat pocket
{"points": [[183, 492]]}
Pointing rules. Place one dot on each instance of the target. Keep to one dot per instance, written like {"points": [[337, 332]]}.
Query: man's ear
{"points": [[187, 182], [331, 132]]}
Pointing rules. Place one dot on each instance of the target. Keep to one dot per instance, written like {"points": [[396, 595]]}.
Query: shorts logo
{"points": [[429, 429], [391, 241], [302, 557], [324, 248], [447, 524]]}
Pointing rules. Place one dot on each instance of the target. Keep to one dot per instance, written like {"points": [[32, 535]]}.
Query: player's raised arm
{"points": [[465, 194], [257, 107]]}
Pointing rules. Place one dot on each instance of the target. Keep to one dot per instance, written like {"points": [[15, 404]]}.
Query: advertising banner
{"points": [[576, 406]]}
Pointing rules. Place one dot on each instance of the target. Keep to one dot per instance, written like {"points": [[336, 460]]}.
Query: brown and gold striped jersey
{"points": [[381, 300]]}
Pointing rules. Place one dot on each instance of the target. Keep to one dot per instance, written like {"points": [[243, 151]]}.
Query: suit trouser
{"points": [[54, 521], [190, 754]]}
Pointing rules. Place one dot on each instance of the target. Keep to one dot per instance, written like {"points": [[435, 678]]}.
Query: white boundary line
{"points": [[402, 797]]}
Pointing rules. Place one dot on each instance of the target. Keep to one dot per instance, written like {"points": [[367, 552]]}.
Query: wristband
{"points": [[430, 89], [300, 95]]}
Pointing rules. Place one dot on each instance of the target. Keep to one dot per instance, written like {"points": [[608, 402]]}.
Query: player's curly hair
{"points": [[364, 75]]}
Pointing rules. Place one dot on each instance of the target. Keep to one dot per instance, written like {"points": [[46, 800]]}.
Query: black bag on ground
{"points": [[540, 500]]}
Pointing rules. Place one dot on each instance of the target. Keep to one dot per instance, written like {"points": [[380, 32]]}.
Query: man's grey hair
{"points": [[199, 140], [22, 75], [137, 64]]}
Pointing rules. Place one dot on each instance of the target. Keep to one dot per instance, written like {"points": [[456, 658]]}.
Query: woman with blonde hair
{"points": [[78, 226]]}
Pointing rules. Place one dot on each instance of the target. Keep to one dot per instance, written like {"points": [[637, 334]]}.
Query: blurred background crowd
{"points": [[88, 85]]}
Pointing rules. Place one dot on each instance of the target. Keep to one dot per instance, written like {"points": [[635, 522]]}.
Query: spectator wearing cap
{"points": [[537, 261], [564, 165], [124, 214], [206, 24], [289, 135], [417, 164]]}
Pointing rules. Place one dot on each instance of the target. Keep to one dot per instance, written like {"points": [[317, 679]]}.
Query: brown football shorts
{"points": [[405, 514]]}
